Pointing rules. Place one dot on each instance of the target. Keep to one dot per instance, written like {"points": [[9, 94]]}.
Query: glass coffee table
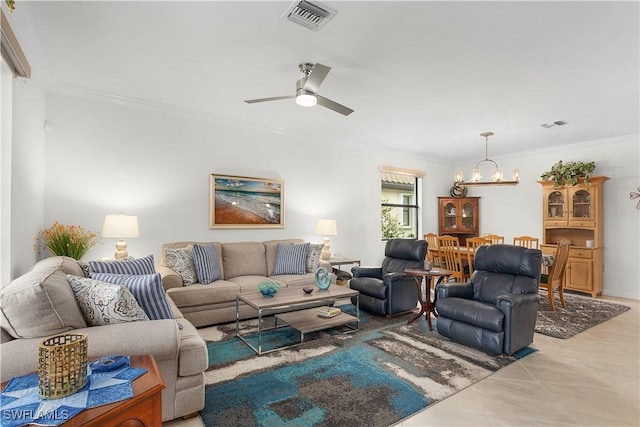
{"points": [[291, 306]]}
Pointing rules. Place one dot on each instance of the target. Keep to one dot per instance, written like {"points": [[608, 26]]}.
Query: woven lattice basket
{"points": [[62, 365]]}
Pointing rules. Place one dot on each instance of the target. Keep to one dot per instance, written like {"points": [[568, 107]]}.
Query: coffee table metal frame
{"points": [[291, 306]]}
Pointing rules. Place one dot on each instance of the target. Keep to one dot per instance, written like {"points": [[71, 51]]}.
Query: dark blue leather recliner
{"points": [[387, 290], [496, 311]]}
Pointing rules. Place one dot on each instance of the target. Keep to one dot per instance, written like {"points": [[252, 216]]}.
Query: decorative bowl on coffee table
{"points": [[268, 289]]}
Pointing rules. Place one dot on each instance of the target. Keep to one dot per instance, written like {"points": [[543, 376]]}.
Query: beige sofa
{"points": [[41, 303], [243, 265]]}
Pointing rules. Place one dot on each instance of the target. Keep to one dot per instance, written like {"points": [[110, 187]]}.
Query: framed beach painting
{"points": [[242, 202]]}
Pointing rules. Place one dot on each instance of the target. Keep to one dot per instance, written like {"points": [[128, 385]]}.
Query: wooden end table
{"points": [[427, 306], [144, 409]]}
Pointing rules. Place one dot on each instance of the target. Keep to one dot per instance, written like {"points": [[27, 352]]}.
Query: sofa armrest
{"points": [[160, 338], [454, 289], [375, 272], [170, 279]]}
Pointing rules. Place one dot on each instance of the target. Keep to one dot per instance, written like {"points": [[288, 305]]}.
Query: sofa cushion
{"points": [[205, 260], [66, 264], [308, 279], [313, 256], [180, 260], [250, 284], [44, 291], [291, 259], [147, 290], [128, 266], [105, 303], [199, 294], [243, 259]]}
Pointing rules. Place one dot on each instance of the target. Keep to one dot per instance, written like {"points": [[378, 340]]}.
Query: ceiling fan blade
{"points": [[273, 98], [332, 105], [317, 76]]}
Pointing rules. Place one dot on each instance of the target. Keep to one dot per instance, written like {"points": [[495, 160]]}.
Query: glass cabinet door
{"points": [[467, 216], [581, 200], [449, 215], [555, 205]]}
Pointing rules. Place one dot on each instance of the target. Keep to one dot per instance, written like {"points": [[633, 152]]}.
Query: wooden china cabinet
{"points": [[459, 216], [575, 213]]}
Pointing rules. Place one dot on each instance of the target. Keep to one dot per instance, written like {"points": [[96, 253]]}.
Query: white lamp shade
{"points": [[326, 227], [120, 226]]}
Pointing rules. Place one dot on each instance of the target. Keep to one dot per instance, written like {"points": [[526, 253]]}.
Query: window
{"points": [[399, 202]]}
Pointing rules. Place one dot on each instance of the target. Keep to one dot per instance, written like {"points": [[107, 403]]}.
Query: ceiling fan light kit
{"points": [[495, 179], [307, 90], [304, 98]]}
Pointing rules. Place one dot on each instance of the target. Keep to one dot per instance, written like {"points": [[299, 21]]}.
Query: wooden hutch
{"points": [[459, 216], [575, 213]]}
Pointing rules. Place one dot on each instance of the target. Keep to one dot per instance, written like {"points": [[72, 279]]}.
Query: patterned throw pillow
{"points": [[135, 266], [105, 303], [146, 289], [291, 259], [313, 256], [205, 260], [181, 261]]}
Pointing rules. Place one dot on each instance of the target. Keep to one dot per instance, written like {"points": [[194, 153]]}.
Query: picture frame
{"points": [[245, 202]]}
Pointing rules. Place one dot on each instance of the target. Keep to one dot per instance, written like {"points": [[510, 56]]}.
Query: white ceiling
{"points": [[423, 77]]}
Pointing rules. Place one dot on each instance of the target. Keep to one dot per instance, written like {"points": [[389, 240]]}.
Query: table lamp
{"points": [[120, 227], [326, 228]]}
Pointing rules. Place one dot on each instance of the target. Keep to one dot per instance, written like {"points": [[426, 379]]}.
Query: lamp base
{"points": [[121, 250], [326, 250]]}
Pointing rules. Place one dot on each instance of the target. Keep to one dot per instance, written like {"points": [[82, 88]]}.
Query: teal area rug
{"points": [[377, 376]]}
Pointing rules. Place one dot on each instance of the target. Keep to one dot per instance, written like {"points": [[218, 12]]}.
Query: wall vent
{"points": [[311, 15]]}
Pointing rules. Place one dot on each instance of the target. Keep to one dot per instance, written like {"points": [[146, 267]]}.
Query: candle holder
{"points": [[62, 365]]}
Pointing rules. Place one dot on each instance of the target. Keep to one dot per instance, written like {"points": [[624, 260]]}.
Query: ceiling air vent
{"points": [[311, 15], [556, 123]]}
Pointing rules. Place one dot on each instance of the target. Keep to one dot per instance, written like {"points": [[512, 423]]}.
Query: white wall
{"points": [[106, 157], [23, 201], [511, 211]]}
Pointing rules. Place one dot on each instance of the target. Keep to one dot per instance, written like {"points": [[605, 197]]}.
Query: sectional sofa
{"points": [[243, 265], [42, 303]]}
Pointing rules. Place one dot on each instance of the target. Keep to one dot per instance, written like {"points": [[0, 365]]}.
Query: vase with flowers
{"points": [[66, 240]]}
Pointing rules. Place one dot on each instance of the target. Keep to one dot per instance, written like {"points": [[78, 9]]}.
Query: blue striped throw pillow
{"points": [[205, 260], [291, 259], [128, 266], [147, 290]]}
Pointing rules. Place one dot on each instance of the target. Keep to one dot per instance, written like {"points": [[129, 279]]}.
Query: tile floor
{"points": [[591, 379]]}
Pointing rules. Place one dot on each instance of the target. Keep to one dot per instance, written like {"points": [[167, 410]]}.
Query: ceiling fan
{"points": [[307, 90]]}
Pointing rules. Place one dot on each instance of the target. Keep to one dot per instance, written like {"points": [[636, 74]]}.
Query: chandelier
{"points": [[495, 178]]}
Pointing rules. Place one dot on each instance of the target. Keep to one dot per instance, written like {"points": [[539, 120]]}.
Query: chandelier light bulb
{"points": [[497, 175]]}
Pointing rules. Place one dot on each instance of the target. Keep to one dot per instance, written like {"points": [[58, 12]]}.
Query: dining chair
{"points": [[495, 238], [432, 248], [527, 242], [555, 279], [472, 244], [451, 257]]}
